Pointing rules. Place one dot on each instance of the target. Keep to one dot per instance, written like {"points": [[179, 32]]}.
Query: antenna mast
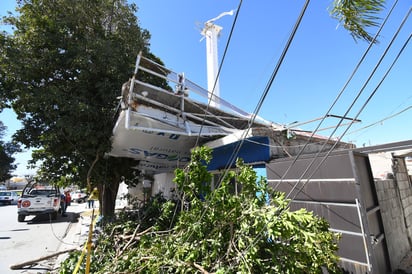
{"points": [[212, 33]]}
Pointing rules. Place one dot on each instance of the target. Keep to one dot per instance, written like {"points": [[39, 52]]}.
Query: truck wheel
{"points": [[54, 215], [20, 218]]}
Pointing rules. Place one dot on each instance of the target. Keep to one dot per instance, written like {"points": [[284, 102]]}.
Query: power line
{"points": [[382, 120], [269, 83], [266, 91], [217, 77], [327, 155], [219, 70], [359, 112], [356, 98], [361, 60]]}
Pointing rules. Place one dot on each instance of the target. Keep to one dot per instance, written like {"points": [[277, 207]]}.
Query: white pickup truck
{"points": [[38, 199]]}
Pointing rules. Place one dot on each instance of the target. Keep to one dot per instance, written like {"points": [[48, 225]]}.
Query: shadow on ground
{"points": [[70, 217]]}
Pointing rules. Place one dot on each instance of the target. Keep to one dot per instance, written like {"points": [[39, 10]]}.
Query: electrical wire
{"points": [[262, 232], [214, 85], [235, 152], [361, 60], [357, 115], [356, 99], [367, 101], [266, 91], [380, 121], [328, 208], [57, 237], [220, 69], [326, 156]]}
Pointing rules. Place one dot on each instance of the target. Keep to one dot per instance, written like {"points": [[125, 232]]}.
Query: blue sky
{"points": [[318, 63]]}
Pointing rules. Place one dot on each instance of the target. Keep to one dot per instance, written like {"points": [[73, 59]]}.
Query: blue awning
{"points": [[253, 150]]}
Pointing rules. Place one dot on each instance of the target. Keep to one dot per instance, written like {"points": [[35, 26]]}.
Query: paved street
{"points": [[35, 238]]}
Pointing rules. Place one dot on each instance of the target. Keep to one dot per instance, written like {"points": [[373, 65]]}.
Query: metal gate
{"points": [[339, 188]]}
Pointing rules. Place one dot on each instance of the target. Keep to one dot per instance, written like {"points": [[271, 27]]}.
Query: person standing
{"points": [[63, 205], [68, 199], [93, 196], [90, 203]]}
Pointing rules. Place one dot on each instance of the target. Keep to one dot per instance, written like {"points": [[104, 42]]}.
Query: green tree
{"points": [[7, 149], [226, 233], [218, 232], [62, 69]]}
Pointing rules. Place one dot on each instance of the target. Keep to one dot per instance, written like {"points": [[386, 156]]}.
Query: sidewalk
{"points": [[77, 232]]}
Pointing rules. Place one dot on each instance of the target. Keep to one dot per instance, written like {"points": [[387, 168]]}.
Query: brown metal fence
{"points": [[341, 190]]}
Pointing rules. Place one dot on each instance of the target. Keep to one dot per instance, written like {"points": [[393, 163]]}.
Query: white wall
{"points": [[137, 192], [121, 200], [408, 161], [164, 183], [381, 164]]}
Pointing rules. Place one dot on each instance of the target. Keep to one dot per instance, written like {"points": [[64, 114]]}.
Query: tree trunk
{"points": [[108, 198]]}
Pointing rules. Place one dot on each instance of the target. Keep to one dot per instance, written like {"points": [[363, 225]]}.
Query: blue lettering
{"points": [[174, 136], [172, 158], [160, 156], [135, 150], [184, 159], [149, 154], [171, 136]]}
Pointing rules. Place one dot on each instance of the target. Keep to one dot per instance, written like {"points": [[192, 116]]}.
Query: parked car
{"points": [[38, 199], [79, 196], [9, 197]]}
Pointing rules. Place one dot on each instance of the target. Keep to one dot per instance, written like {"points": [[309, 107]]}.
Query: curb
{"points": [[76, 235]]}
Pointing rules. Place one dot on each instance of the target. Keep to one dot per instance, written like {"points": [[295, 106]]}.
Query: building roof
{"points": [[163, 116]]}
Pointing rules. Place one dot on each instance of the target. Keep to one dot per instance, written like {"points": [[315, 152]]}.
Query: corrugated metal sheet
{"points": [[341, 190]]}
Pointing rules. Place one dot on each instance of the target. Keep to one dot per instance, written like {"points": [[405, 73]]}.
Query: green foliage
{"points": [[62, 70], [64, 66], [357, 16], [7, 149], [68, 265], [219, 232]]}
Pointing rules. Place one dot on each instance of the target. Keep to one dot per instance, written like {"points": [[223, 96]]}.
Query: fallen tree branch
{"points": [[31, 262], [147, 231], [130, 241], [204, 271], [113, 230]]}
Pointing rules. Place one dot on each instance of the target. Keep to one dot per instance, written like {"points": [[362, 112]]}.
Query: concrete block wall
{"points": [[395, 201], [405, 191], [393, 220]]}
